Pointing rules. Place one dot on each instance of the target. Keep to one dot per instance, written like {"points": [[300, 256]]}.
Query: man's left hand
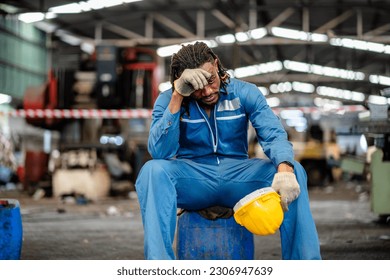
{"points": [[286, 184]]}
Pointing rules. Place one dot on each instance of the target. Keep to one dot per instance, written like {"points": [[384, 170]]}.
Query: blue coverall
{"points": [[201, 161]]}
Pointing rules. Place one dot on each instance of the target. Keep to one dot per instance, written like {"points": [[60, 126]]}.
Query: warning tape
{"points": [[79, 113], [138, 113]]}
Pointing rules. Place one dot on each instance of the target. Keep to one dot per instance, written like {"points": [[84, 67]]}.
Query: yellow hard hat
{"points": [[260, 212]]}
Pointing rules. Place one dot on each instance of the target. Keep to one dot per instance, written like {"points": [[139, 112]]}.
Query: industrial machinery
{"points": [[93, 110], [379, 167], [312, 154], [310, 150]]}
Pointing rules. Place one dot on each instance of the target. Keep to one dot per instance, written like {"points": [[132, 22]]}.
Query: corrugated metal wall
{"points": [[23, 56]]}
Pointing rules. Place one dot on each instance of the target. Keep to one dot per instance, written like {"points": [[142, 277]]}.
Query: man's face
{"points": [[209, 95]]}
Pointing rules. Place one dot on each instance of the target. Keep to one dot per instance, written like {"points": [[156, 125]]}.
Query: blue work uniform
{"points": [[201, 161]]}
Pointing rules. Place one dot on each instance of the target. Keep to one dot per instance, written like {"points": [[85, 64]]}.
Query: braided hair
{"points": [[194, 56]]}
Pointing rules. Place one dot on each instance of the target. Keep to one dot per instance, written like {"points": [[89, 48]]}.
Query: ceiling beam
{"points": [[283, 77], [359, 23], [149, 26], [280, 41], [121, 31], [377, 31], [305, 20], [283, 16], [334, 22], [223, 18], [252, 14], [179, 29], [260, 42], [200, 23]]}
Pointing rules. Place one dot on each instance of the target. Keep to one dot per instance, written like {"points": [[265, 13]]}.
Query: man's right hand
{"points": [[191, 80]]}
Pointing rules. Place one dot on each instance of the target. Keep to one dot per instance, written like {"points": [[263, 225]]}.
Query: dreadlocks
{"points": [[194, 56]]}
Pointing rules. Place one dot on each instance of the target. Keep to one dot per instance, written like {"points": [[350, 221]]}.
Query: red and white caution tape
{"points": [[80, 113], [138, 113]]}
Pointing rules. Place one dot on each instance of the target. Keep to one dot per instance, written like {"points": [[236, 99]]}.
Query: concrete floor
{"points": [[111, 229]]}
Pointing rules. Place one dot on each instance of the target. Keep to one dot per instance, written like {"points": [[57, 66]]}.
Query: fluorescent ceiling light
{"points": [[315, 37], [341, 93], [274, 66], [258, 69], [242, 36], [170, 50], [86, 6], [5, 99], [289, 33], [31, 17], [382, 80], [35, 17], [281, 87], [340, 42], [296, 86], [303, 87], [223, 39], [323, 70], [226, 39], [254, 34], [72, 8], [321, 90], [100, 4], [358, 44], [296, 66], [327, 104], [258, 33], [298, 35]]}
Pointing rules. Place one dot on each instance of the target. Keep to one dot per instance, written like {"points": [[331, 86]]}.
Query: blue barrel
{"points": [[223, 239], [11, 231]]}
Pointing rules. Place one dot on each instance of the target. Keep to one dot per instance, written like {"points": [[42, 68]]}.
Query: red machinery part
{"points": [[41, 97]]}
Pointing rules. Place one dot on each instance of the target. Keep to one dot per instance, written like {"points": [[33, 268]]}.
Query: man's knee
{"points": [[153, 166], [156, 172], [151, 169], [154, 183]]}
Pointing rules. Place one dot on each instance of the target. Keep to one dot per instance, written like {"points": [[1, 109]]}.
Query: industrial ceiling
{"points": [[327, 44]]}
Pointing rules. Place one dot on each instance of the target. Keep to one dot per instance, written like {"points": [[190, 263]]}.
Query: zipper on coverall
{"points": [[213, 139]]}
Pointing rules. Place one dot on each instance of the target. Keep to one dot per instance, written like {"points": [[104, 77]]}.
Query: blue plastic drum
{"points": [[11, 231], [223, 239]]}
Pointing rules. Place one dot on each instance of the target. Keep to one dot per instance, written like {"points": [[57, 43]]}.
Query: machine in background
{"points": [[112, 79]]}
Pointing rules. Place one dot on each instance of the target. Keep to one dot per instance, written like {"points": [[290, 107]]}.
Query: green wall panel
{"points": [[23, 56]]}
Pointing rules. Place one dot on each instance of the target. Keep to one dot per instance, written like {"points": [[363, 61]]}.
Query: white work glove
{"points": [[286, 184], [191, 80]]}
